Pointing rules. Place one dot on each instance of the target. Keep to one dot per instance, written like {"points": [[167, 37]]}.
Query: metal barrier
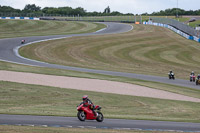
{"points": [[27, 18], [178, 25], [190, 37]]}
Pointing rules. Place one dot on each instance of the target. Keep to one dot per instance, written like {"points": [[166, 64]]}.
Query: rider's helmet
{"points": [[192, 72], [170, 71], [85, 98]]}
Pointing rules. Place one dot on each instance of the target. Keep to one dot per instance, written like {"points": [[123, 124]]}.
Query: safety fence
{"points": [[178, 25], [190, 37], [122, 19], [26, 18]]}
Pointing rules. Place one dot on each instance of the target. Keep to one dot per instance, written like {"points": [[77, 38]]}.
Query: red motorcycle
{"points": [[85, 113]]}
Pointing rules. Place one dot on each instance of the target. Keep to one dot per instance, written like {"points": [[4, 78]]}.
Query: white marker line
{"points": [[81, 126], [68, 126], [44, 125], [16, 49], [90, 127], [20, 63]]}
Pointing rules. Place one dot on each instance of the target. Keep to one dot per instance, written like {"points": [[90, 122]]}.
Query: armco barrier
{"points": [[176, 24], [27, 18], [197, 39], [175, 30]]}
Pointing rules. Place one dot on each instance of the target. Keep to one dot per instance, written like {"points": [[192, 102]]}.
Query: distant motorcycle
{"points": [[197, 81], [84, 112], [192, 78], [171, 76], [22, 41]]}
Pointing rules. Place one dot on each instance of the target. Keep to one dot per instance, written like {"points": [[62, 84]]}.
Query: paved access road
{"points": [[52, 121]]}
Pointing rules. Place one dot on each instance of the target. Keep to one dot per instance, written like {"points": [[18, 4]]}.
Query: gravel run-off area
{"points": [[95, 85]]}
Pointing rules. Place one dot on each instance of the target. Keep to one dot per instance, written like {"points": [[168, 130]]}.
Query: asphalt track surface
{"points": [[9, 53], [52, 121]]}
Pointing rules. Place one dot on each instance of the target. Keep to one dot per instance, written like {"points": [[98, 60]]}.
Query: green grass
{"points": [[24, 99], [126, 18], [146, 49], [182, 19], [21, 28], [16, 98], [26, 129], [195, 23], [192, 24]]}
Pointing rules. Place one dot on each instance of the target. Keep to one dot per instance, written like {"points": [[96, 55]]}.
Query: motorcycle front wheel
{"points": [[81, 115], [99, 117]]}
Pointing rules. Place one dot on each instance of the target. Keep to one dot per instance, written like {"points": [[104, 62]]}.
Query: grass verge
{"points": [[146, 49], [26, 129], [16, 98], [22, 28], [195, 23]]}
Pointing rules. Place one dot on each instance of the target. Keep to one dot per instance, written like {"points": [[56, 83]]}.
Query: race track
{"points": [[9, 53], [71, 122]]}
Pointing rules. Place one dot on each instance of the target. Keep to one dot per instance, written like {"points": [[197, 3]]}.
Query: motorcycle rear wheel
{"points": [[100, 117], [81, 115]]}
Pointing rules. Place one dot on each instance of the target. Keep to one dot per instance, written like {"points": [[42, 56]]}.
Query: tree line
{"points": [[174, 12], [69, 11], [62, 11]]}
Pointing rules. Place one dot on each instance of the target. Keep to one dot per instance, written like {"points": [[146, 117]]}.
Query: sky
{"points": [[123, 6]]}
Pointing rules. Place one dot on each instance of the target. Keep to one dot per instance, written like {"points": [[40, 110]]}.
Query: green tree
{"points": [[65, 10], [8, 9], [115, 13], [31, 8], [79, 11]]}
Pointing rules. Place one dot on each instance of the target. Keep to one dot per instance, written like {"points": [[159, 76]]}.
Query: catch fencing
{"points": [[123, 19], [178, 31], [120, 18], [178, 25]]}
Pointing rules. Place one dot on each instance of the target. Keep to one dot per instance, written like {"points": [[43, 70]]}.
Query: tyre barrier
{"points": [[26, 18], [175, 30]]}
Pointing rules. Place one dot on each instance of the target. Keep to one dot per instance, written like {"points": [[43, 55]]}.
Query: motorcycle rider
{"points": [[192, 73], [192, 76], [171, 73], [198, 77], [88, 102]]}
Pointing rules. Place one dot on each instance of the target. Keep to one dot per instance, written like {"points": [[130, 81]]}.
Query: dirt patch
{"points": [[91, 85]]}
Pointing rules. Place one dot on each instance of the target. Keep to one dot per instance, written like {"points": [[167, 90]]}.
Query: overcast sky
{"points": [[124, 6]]}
